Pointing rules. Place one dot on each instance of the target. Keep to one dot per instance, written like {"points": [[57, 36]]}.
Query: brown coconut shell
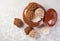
{"points": [[28, 14]]}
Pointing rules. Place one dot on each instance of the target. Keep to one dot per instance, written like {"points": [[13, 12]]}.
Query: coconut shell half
{"points": [[28, 14]]}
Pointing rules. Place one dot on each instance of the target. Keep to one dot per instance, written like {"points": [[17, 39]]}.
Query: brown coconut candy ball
{"points": [[33, 14], [27, 30], [51, 17], [18, 22]]}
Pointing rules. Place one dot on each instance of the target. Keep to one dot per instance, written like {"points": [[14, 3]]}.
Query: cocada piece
{"points": [[50, 17], [27, 30], [18, 22], [33, 33], [45, 30]]}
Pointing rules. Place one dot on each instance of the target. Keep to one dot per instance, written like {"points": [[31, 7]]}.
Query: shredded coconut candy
{"points": [[39, 13]]}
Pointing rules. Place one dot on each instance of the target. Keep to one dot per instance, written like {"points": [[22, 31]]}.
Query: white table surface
{"points": [[10, 9]]}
